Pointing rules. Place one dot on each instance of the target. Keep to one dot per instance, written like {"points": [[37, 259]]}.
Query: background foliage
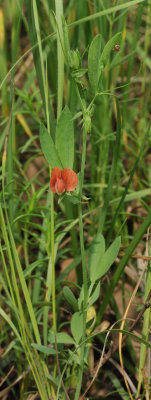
{"points": [[70, 264]]}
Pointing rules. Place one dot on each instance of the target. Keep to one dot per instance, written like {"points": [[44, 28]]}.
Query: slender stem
{"points": [[80, 217], [60, 40], [84, 271], [59, 13], [50, 284], [53, 265], [83, 256], [80, 100], [81, 368], [60, 44]]}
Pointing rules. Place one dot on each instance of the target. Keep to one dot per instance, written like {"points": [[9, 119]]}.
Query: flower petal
{"points": [[56, 173], [60, 187], [70, 179]]}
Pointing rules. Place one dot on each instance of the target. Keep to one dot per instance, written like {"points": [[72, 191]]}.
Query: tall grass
{"points": [[75, 93]]}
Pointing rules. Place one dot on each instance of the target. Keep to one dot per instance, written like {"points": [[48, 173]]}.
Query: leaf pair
{"points": [[61, 153], [76, 330], [99, 260], [98, 58]]}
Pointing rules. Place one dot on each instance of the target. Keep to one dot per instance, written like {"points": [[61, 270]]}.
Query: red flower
{"points": [[63, 180]]}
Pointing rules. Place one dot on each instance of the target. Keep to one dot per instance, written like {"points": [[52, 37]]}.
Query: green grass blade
{"points": [[106, 12], [34, 33], [109, 191], [23, 284], [11, 324], [128, 184], [131, 59], [60, 47]]}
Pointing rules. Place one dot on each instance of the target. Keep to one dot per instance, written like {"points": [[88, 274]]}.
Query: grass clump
{"points": [[75, 259]]}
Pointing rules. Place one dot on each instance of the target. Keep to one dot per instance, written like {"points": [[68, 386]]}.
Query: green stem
{"points": [[41, 253], [80, 217], [50, 284], [53, 265], [60, 44], [84, 271], [81, 368]]}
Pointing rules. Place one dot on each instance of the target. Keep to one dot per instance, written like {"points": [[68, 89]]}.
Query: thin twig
{"points": [[144, 266], [121, 333], [113, 349], [59, 372]]}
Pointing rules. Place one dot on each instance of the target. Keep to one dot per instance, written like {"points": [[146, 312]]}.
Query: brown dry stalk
{"points": [[6, 376], [59, 372], [121, 333], [125, 316], [6, 390], [114, 348]]}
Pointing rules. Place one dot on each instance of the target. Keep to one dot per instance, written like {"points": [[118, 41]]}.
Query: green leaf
{"points": [[108, 259], [43, 349], [118, 272], [77, 326], [95, 254], [77, 74], [93, 298], [93, 62], [100, 261], [116, 39], [65, 138], [69, 296], [117, 385], [53, 380], [81, 298], [74, 357], [110, 255], [73, 199], [113, 171], [48, 148], [61, 337]]}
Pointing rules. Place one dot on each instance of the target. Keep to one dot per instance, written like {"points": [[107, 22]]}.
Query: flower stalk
{"points": [[86, 129]]}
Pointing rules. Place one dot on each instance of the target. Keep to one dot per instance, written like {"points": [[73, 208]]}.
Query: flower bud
{"points": [[87, 123]]}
